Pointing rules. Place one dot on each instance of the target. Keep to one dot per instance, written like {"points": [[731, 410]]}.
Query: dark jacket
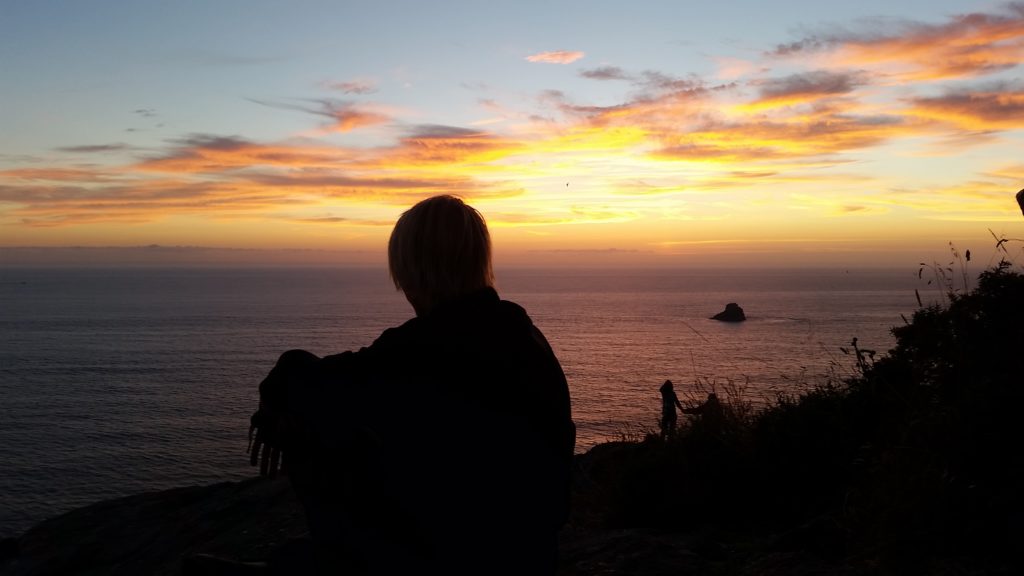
{"points": [[456, 436]]}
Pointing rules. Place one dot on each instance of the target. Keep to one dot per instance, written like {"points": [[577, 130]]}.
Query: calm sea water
{"points": [[119, 381]]}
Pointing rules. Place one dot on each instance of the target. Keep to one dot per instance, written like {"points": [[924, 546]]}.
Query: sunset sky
{"points": [[586, 132]]}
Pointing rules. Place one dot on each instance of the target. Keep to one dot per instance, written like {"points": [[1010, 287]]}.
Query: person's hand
{"points": [[266, 441], [267, 424], [272, 429]]}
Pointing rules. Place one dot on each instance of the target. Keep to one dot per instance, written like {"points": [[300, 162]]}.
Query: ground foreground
{"points": [[152, 534]]}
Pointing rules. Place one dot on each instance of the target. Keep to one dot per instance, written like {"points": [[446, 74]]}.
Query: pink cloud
{"points": [[556, 57]]}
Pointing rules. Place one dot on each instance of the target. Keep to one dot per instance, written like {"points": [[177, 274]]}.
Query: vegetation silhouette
{"points": [[912, 464]]}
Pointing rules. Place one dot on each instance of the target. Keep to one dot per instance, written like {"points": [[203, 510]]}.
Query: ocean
{"points": [[118, 381]]}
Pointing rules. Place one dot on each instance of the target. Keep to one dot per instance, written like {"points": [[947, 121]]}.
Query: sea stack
{"points": [[732, 313]]}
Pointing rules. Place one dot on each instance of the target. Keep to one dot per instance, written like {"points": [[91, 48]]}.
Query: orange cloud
{"points": [[349, 118], [204, 153], [573, 215], [344, 116], [805, 88], [556, 57], [685, 120], [56, 174], [754, 140], [444, 145], [998, 107], [208, 175], [671, 147], [967, 45], [42, 205]]}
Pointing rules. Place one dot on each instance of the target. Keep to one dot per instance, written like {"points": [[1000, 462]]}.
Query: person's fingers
{"points": [[275, 459], [261, 447], [265, 460], [252, 429], [254, 454]]}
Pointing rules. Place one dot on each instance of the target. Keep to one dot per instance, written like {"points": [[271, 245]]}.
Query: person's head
{"points": [[439, 250]]}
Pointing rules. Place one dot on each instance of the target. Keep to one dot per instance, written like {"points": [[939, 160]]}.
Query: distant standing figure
{"points": [[669, 402]]}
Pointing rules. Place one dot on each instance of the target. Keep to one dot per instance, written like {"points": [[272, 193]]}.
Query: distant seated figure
{"points": [[711, 414], [444, 447], [669, 402]]}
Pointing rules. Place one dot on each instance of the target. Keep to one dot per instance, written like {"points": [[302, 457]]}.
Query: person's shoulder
{"points": [[512, 311], [395, 338], [371, 361]]}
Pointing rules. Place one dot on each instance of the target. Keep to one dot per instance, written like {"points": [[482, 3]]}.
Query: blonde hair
{"points": [[440, 250]]}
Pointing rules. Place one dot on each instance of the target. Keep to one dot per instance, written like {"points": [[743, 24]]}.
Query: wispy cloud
{"points": [[605, 73], [437, 144], [974, 200], [661, 82], [571, 215], [129, 200], [337, 220], [992, 107], [58, 174], [556, 57], [207, 153], [94, 148], [806, 87], [344, 116], [358, 86]]}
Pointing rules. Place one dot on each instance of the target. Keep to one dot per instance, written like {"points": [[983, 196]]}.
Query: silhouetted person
{"points": [[445, 446], [711, 414], [669, 402], [1020, 200]]}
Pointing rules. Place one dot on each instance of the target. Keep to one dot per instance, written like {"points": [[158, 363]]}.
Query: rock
{"points": [[8, 549], [732, 313], [151, 533]]}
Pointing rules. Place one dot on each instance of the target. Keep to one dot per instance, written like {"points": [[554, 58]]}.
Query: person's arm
{"points": [[301, 396], [269, 425], [694, 410]]}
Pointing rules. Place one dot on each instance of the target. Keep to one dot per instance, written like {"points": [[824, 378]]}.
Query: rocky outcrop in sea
{"points": [[732, 313]]}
